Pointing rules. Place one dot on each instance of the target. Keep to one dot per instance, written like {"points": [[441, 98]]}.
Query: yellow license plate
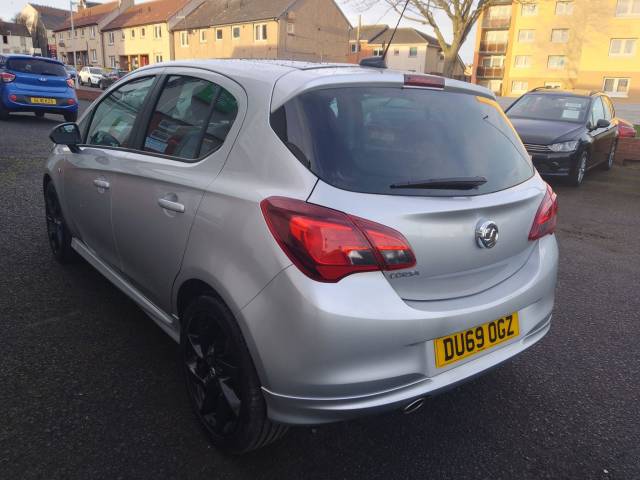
{"points": [[455, 347], [45, 101]]}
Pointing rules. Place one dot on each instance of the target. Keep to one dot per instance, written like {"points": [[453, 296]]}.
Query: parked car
{"points": [[71, 71], [626, 129], [111, 77], [321, 240], [36, 84], [567, 133], [91, 76]]}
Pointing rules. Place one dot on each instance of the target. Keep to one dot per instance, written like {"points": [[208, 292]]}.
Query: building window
{"points": [[203, 36], [75, 32], [529, 9], [560, 35], [616, 87], [622, 47], [499, 11], [142, 32], [94, 56], [261, 32], [526, 36], [112, 61], [413, 51], [235, 33], [377, 52], [92, 31], [628, 8], [157, 31], [493, 61], [396, 52], [518, 86], [219, 34], [158, 58], [564, 8], [122, 34], [82, 32], [522, 61], [553, 84], [184, 38], [354, 48], [133, 33], [111, 37], [291, 28], [557, 62]]}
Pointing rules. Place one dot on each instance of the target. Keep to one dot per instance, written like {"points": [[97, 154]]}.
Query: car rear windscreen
{"points": [[365, 139], [567, 108], [36, 66]]}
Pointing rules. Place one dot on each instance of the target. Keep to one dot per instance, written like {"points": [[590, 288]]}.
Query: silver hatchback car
{"points": [[324, 241]]}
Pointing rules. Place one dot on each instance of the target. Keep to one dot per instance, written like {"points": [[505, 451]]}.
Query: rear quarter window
{"points": [[366, 139]]}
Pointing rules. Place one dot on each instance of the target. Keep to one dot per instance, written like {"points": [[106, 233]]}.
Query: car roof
{"points": [[284, 79], [21, 55]]}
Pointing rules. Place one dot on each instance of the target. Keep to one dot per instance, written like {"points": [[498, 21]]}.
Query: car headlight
{"points": [[564, 146]]}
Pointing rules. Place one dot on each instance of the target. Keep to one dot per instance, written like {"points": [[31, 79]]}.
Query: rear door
{"points": [[89, 176], [186, 139], [369, 144]]}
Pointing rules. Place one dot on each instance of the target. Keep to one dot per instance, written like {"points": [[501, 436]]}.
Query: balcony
{"points": [[490, 72], [496, 23], [492, 47]]}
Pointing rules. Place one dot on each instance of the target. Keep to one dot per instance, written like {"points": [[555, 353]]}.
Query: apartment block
{"points": [[310, 30], [411, 50], [141, 34], [85, 41], [568, 44]]}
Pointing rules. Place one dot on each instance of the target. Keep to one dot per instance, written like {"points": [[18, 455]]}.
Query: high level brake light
{"points": [[424, 81], [546, 217], [328, 245]]}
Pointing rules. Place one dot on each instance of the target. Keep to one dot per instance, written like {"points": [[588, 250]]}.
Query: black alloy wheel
{"points": [[57, 232], [221, 380]]}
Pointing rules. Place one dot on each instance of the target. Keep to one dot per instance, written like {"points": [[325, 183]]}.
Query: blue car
{"points": [[36, 84]]}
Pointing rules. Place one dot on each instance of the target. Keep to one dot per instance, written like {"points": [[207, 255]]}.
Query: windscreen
{"points": [[95, 71], [366, 139], [551, 107], [36, 66]]}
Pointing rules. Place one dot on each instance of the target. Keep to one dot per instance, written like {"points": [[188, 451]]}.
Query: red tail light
{"points": [[7, 77], [546, 217], [328, 245], [71, 101], [70, 82]]}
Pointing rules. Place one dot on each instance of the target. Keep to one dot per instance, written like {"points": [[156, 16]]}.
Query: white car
{"points": [[91, 76]]}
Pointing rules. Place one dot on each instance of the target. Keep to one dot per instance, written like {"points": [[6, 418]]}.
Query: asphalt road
{"points": [[91, 388]]}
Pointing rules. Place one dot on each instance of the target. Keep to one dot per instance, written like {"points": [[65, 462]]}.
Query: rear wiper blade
{"points": [[456, 183]]}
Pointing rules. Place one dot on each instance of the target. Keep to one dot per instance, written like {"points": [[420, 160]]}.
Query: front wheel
{"points": [[608, 165], [578, 171], [39, 114], [222, 383], [57, 232]]}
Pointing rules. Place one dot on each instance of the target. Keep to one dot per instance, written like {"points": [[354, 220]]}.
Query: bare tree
{"points": [[462, 14]]}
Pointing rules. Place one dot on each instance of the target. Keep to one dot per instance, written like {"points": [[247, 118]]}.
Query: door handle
{"points": [[103, 184], [172, 205]]}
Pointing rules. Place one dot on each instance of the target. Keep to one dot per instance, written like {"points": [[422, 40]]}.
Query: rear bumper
{"points": [[554, 164], [23, 104], [329, 352]]}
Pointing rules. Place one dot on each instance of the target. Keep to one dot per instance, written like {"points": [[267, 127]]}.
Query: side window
{"points": [[609, 112], [597, 110], [113, 121], [192, 118]]}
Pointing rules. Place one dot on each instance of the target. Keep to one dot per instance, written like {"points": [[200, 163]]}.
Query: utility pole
{"points": [[73, 36]]}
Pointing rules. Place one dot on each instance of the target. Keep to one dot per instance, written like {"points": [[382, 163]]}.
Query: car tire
{"points": [[71, 117], [4, 113], [102, 85], [39, 114], [579, 170], [608, 165], [221, 379], [58, 233]]}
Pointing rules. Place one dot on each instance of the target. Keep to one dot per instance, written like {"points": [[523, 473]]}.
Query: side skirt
{"points": [[165, 322]]}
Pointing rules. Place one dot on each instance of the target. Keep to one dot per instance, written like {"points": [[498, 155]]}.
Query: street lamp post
{"points": [[73, 33]]}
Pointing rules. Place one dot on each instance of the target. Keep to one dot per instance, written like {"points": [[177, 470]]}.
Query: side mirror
{"points": [[67, 134], [602, 123]]}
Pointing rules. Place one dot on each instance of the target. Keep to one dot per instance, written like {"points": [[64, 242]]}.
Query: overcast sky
{"points": [[377, 14]]}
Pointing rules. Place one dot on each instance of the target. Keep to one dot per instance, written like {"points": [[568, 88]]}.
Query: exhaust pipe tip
{"points": [[413, 406]]}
